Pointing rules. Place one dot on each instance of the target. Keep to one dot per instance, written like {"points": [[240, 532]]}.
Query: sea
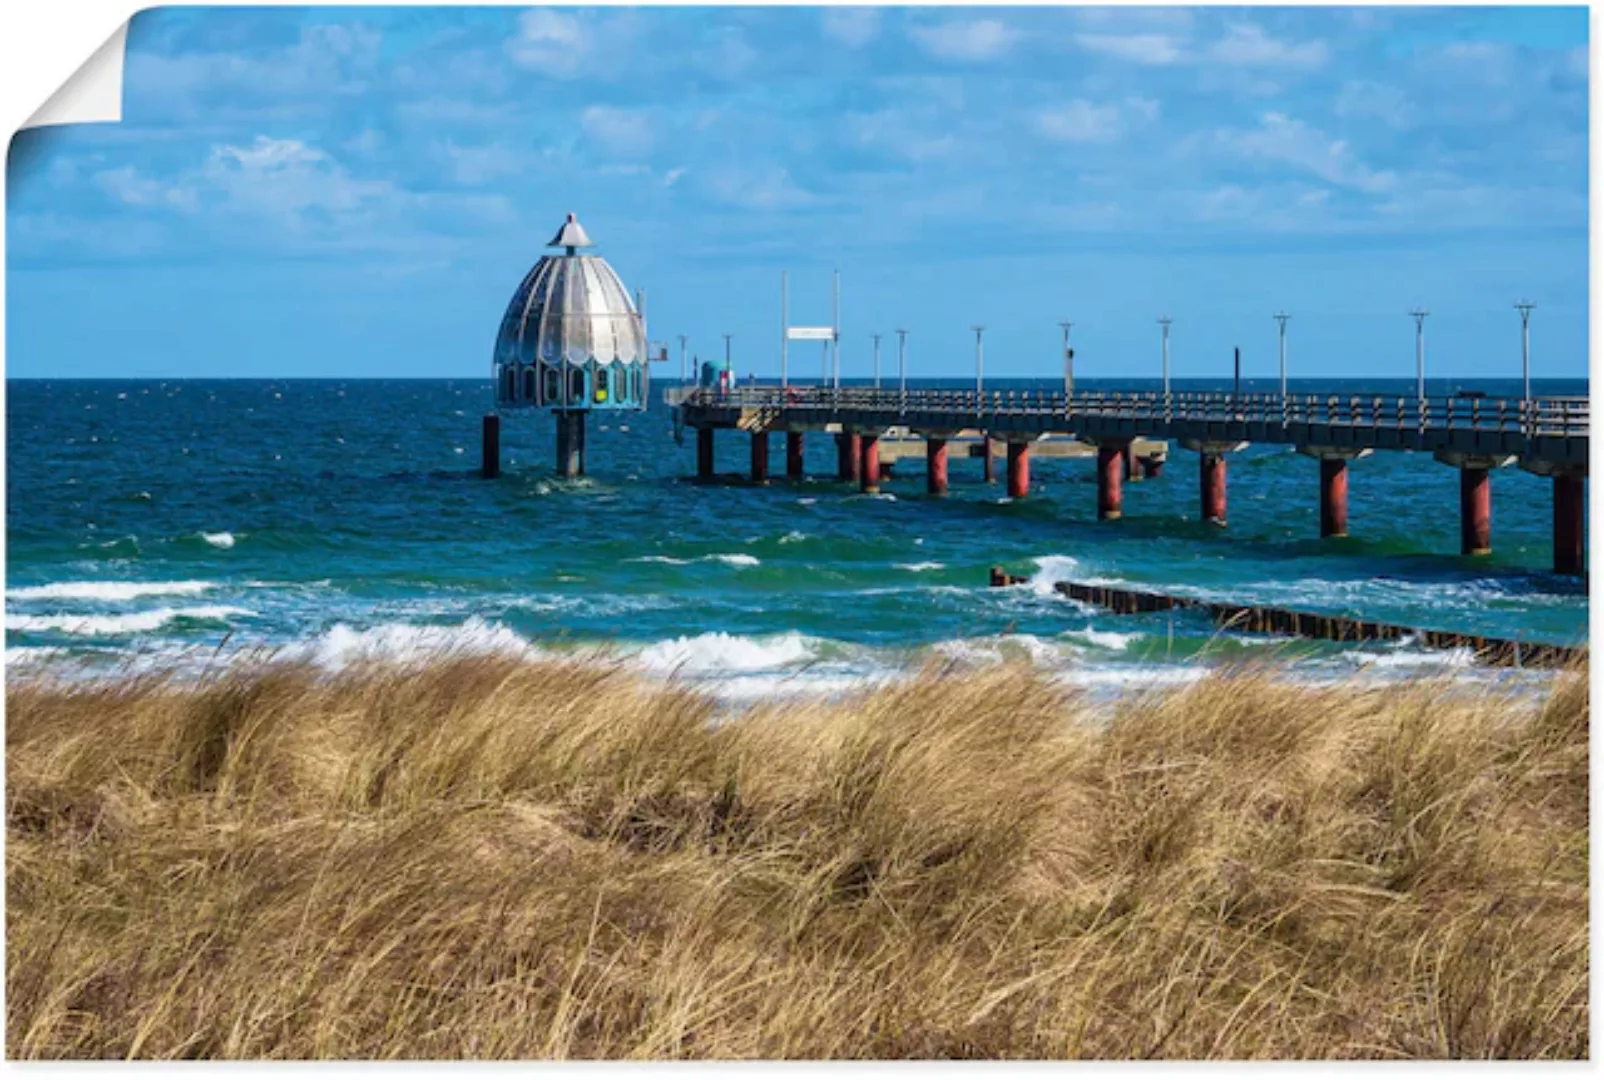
{"points": [[182, 524]]}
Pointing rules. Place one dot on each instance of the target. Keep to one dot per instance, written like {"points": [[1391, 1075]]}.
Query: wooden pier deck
{"points": [[1130, 432]]}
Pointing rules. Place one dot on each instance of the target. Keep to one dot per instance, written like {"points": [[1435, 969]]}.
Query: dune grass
{"points": [[490, 858]]}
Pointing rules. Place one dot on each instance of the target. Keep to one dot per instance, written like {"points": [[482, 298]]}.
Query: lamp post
{"points": [[684, 369], [980, 361], [1164, 323], [902, 363], [1069, 362], [1525, 309], [876, 338], [1419, 315], [785, 327], [1282, 317]]}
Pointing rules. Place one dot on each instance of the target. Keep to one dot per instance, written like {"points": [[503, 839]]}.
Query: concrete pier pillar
{"points": [[935, 465], [760, 457], [988, 455], [1570, 523], [869, 472], [793, 455], [571, 444], [1110, 478], [704, 453], [1153, 466], [1475, 511], [1018, 469], [848, 451], [1211, 486], [1333, 496], [490, 462]]}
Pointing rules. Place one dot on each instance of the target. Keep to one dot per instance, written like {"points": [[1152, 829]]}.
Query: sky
{"points": [[357, 191]]}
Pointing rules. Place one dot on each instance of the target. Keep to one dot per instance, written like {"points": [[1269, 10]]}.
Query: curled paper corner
{"points": [[93, 93]]}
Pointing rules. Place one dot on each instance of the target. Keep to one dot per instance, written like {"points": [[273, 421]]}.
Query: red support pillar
{"points": [[990, 460], [1211, 486], [935, 466], [848, 450], [1110, 477], [704, 453], [1570, 523], [1018, 469], [793, 454], [869, 474], [760, 457], [1475, 512], [1333, 496]]}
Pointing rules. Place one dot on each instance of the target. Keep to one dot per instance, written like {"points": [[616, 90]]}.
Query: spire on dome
{"points": [[571, 236]]}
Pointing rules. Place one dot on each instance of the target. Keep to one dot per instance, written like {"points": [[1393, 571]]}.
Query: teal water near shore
{"points": [[153, 521]]}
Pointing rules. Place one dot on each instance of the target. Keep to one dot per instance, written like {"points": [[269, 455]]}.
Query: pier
{"points": [[1130, 433]]}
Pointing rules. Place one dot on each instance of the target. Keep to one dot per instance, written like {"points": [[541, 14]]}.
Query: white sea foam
{"points": [[1050, 570], [109, 590], [920, 567], [134, 622], [224, 540], [734, 559], [793, 537], [1112, 640], [408, 643], [718, 652]]}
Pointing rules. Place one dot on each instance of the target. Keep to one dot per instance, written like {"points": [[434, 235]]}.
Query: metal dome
{"points": [[570, 323]]}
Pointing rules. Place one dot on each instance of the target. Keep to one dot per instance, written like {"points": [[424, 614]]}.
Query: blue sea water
{"points": [[156, 521]]}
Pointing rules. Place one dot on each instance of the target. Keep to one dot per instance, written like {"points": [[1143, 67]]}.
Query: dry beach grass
{"points": [[489, 858]]}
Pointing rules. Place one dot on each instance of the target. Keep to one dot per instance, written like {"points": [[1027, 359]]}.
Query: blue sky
{"points": [[357, 192]]}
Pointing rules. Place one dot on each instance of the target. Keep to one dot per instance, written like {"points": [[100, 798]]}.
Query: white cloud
{"points": [[626, 132], [976, 40], [286, 178], [898, 133], [1247, 44], [551, 42], [756, 187], [1154, 50], [671, 177], [127, 186], [475, 165], [1080, 121], [1363, 100], [1281, 139], [852, 27]]}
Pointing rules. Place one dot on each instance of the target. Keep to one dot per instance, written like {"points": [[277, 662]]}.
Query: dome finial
{"points": [[571, 235]]}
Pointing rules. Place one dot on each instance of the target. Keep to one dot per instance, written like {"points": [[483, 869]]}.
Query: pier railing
{"points": [[1542, 416]]}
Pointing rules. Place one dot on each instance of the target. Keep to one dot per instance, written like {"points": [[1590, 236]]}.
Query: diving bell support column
{"points": [[490, 462], [570, 443], [704, 453]]}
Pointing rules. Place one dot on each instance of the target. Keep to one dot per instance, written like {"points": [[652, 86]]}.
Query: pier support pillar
{"points": [[1211, 486], [793, 455], [1211, 475], [1153, 465], [848, 450], [1475, 511], [869, 471], [704, 453], [1110, 478], [1018, 469], [1475, 497], [935, 465], [1334, 485], [1570, 523], [490, 462], [760, 457], [988, 457], [571, 444], [1133, 465], [1333, 496]]}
